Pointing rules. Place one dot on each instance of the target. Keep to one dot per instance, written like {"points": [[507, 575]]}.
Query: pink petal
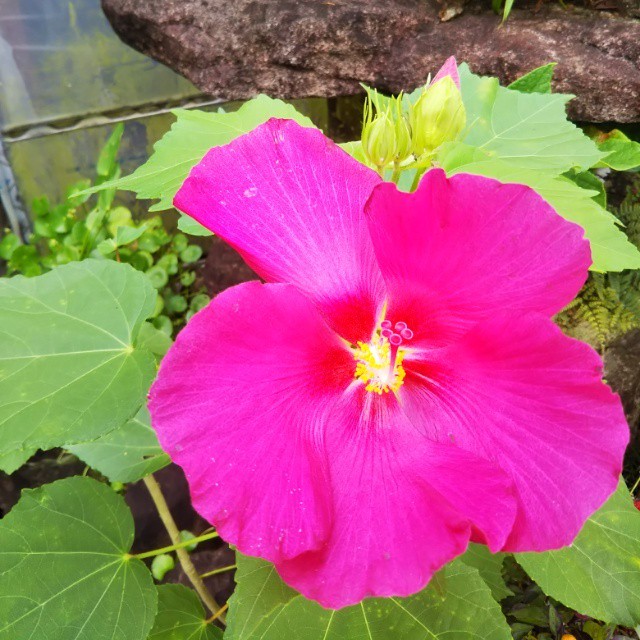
{"points": [[476, 246], [238, 404], [403, 506], [291, 202], [449, 68], [518, 392]]}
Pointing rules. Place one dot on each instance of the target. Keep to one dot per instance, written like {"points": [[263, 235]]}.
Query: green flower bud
{"points": [[187, 535], [404, 144], [378, 136], [438, 116], [161, 565]]}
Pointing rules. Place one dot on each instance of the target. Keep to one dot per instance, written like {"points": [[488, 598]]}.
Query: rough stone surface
{"points": [[622, 372], [304, 48]]}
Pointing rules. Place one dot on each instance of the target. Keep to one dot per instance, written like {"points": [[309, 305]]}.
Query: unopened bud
{"points": [[386, 134], [161, 565], [438, 116], [404, 144]]}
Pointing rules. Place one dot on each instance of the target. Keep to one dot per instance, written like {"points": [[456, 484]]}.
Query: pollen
{"points": [[379, 362]]}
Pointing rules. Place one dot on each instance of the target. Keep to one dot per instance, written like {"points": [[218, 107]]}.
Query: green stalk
{"points": [[178, 545]]}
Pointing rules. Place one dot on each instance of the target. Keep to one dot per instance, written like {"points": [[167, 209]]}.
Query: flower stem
{"points": [[175, 547], [218, 614], [416, 180], [215, 572], [183, 557]]}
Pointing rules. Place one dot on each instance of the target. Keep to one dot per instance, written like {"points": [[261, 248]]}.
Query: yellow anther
{"points": [[374, 368]]}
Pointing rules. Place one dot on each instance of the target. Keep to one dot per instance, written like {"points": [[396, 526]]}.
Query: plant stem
{"points": [[215, 572], [217, 615], [416, 180], [172, 529], [175, 547]]}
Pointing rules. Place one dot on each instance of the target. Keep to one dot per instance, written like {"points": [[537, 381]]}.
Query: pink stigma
{"points": [[396, 337]]}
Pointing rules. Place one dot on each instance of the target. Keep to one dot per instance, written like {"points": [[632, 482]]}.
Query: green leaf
{"points": [[65, 572], [107, 160], [529, 130], [536, 81], [9, 243], [12, 460], [179, 242], [599, 574], [164, 324], [355, 150], [107, 247], [181, 616], [190, 137], [610, 248], [154, 339], [190, 226], [169, 262], [126, 454], [70, 368], [489, 566], [591, 182], [118, 217], [127, 235], [192, 253], [199, 302], [264, 608], [622, 154], [157, 276], [507, 9], [176, 304]]}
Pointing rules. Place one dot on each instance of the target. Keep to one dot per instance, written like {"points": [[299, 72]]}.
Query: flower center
{"points": [[379, 363]]}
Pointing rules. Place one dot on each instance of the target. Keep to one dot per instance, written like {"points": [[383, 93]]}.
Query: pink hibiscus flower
{"points": [[397, 388]]}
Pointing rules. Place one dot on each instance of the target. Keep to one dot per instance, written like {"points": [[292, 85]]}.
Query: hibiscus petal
{"points": [[238, 404], [449, 68], [291, 202], [403, 506], [517, 391], [476, 245]]}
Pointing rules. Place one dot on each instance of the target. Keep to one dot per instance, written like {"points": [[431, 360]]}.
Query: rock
{"points": [[302, 48], [622, 372]]}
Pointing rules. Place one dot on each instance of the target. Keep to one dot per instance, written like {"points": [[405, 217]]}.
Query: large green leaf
{"points": [[127, 453], [489, 566], [536, 81], [528, 130], [65, 572], [181, 616], [188, 225], [610, 247], [69, 366], [264, 608], [599, 574], [191, 136], [622, 153], [12, 460]]}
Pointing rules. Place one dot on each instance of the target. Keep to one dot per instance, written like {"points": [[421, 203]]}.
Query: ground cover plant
{"points": [[392, 432]]}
